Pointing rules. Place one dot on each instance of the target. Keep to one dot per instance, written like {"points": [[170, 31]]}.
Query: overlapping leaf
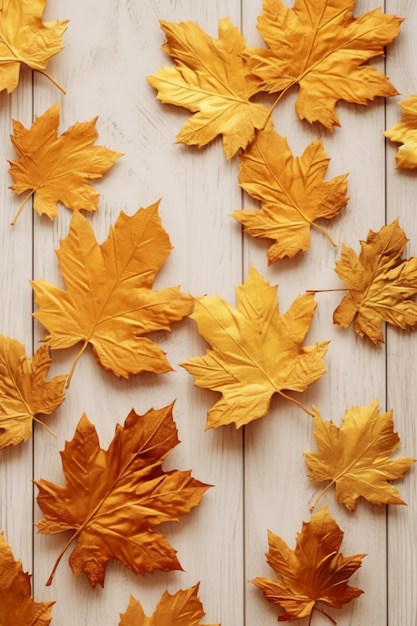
{"points": [[405, 133]]}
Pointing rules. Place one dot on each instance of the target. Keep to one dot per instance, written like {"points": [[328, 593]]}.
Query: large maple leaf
{"points": [[58, 168], [109, 301], [182, 609], [256, 352], [315, 572], [26, 39], [114, 498], [320, 46], [291, 190], [405, 133], [356, 457], [211, 79], [380, 284], [17, 606], [25, 394]]}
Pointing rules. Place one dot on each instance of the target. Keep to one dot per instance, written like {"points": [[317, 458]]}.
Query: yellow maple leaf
{"points": [[26, 39], [109, 301], [210, 79], [291, 190], [380, 284], [58, 169], [321, 47], [25, 394], [182, 609], [255, 351], [405, 133]]}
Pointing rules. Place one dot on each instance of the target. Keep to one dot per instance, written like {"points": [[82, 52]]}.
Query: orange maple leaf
{"points": [[292, 193], [25, 394], [320, 46], [17, 606], [109, 302], [405, 133], [212, 80], [315, 572], [355, 457], [58, 169], [114, 498], [380, 284], [182, 609], [255, 351]]}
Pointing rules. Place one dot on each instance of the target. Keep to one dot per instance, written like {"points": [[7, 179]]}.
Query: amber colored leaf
{"points": [[255, 352], [380, 284], [405, 133], [211, 80], [25, 394], [355, 458], [292, 193], [315, 572], [109, 301], [182, 609], [58, 168], [114, 498], [17, 606], [26, 39], [321, 47]]}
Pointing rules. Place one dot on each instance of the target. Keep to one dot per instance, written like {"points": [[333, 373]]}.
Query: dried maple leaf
{"points": [[312, 573], [380, 284], [405, 133], [58, 169], [25, 393], [292, 193], [25, 39], [182, 609], [108, 301], [210, 79], [255, 351], [320, 46], [114, 498], [356, 456], [17, 606]]}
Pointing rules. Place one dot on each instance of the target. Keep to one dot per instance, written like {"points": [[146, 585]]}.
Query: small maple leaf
{"points": [[320, 46], [255, 351], [210, 79], [292, 193], [25, 393], [355, 457], [25, 39], [113, 498], [17, 606], [380, 284], [109, 301], [312, 573], [182, 609], [405, 133], [58, 169]]}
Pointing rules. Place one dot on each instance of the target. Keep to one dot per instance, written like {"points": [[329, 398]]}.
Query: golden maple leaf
{"points": [[182, 609], [25, 393], [211, 79], [355, 457], [320, 46], [380, 284], [109, 301], [58, 169], [17, 606], [255, 351], [315, 572], [292, 193], [24, 38], [114, 498], [405, 133]]}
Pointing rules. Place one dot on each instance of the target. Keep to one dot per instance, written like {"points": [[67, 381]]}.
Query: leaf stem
{"points": [[57, 562], [284, 395], [38, 421], [326, 290], [322, 492], [325, 614], [77, 358], [276, 101], [53, 81], [324, 232], [20, 209]]}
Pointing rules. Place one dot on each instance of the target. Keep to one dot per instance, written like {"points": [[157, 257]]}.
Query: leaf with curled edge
{"points": [[404, 132]]}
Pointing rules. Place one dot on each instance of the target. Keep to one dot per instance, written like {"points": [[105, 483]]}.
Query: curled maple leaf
{"points": [[114, 498], [315, 572], [405, 133]]}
